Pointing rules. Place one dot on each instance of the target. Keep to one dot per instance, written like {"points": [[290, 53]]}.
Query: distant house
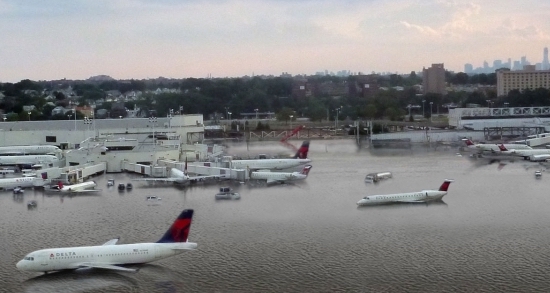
{"points": [[59, 110], [29, 108]]}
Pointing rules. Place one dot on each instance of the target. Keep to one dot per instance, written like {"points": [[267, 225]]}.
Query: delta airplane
{"points": [[29, 150], [531, 155], [11, 183], [409, 197], [299, 159], [111, 256], [178, 177], [30, 160], [88, 186], [280, 177], [480, 147]]}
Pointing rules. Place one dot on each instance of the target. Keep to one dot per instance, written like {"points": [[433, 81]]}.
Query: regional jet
{"points": [[30, 160], [480, 147], [535, 155], [280, 177], [88, 186], [409, 197], [299, 159], [111, 256]]}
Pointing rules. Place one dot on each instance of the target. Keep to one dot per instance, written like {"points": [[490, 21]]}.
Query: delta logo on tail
{"points": [[179, 231], [302, 151]]}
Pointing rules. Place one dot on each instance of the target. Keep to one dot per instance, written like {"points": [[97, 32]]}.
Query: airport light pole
{"points": [[229, 113], [256, 110], [153, 121], [29, 115], [336, 121], [87, 122], [291, 116], [431, 112], [423, 115]]}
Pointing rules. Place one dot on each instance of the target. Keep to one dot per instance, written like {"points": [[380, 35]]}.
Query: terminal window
{"points": [[51, 139]]}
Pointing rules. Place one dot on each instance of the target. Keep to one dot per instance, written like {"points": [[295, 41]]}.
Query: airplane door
{"points": [[157, 251], [46, 263]]}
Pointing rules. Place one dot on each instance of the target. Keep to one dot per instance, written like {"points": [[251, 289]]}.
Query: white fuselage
{"points": [[79, 187], [527, 153], [11, 183], [411, 197], [495, 147], [30, 160], [277, 176], [29, 150], [268, 164], [56, 259]]}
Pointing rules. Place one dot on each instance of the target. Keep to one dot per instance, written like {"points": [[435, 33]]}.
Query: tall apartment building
{"points": [[528, 78], [433, 79]]}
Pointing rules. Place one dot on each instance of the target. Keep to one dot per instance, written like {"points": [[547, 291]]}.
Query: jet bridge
{"points": [[206, 169]]}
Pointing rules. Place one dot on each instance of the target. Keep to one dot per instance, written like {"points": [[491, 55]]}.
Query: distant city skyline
{"points": [[141, 39], [511, 64]]}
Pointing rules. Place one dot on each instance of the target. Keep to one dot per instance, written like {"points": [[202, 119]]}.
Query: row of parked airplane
{"points": [[175, 240], [260, 169], [519, 150]]}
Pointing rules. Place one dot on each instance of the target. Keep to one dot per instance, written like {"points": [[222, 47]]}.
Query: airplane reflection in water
{"points": [[83, 280]]}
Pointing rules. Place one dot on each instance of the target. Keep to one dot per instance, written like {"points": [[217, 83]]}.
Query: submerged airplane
{"points": [[11, 183], [480, 147], [88, 186], [178, 177], [29, 150], [409, 197], [111, 256], [299, 159], [30, 160], [280, 177], [535, 155]]}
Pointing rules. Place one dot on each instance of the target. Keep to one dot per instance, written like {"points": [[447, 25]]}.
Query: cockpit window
{"points": [[366, 197], [29, 258]]}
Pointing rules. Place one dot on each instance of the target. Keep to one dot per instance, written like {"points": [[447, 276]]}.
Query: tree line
{"points": [[218, 97]]}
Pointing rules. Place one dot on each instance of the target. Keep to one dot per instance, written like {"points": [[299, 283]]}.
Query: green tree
{"points": [[370, 111], [284, 114]]}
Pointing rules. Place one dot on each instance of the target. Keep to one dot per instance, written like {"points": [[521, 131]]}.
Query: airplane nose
{"points": [[19, 265]]}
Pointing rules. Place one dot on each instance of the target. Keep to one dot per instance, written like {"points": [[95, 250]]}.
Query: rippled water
{"points": [[490, 234]]}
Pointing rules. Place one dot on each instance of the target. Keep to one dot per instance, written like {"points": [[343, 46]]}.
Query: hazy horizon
{"points": [[141, 39]]}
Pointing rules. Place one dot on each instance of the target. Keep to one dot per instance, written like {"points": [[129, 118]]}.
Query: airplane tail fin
{"points": [[302, 151], [179, 231], [468, 142], [306, 170], [445, 185], [59, 185], [502, 147]]}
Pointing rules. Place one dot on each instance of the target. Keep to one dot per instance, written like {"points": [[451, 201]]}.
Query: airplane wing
{"points": [[204, 177], [271, 181], [111, 242], [106, 267]]}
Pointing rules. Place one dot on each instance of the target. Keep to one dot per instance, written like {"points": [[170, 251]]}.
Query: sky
{"points": [[140, 39]]}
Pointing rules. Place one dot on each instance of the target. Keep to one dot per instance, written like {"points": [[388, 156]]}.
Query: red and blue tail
{"points": [[179, 231], [306, 170], [302, 151]]}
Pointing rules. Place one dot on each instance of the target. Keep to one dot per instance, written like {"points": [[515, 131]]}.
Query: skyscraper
{"points": [[545, 63]]}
